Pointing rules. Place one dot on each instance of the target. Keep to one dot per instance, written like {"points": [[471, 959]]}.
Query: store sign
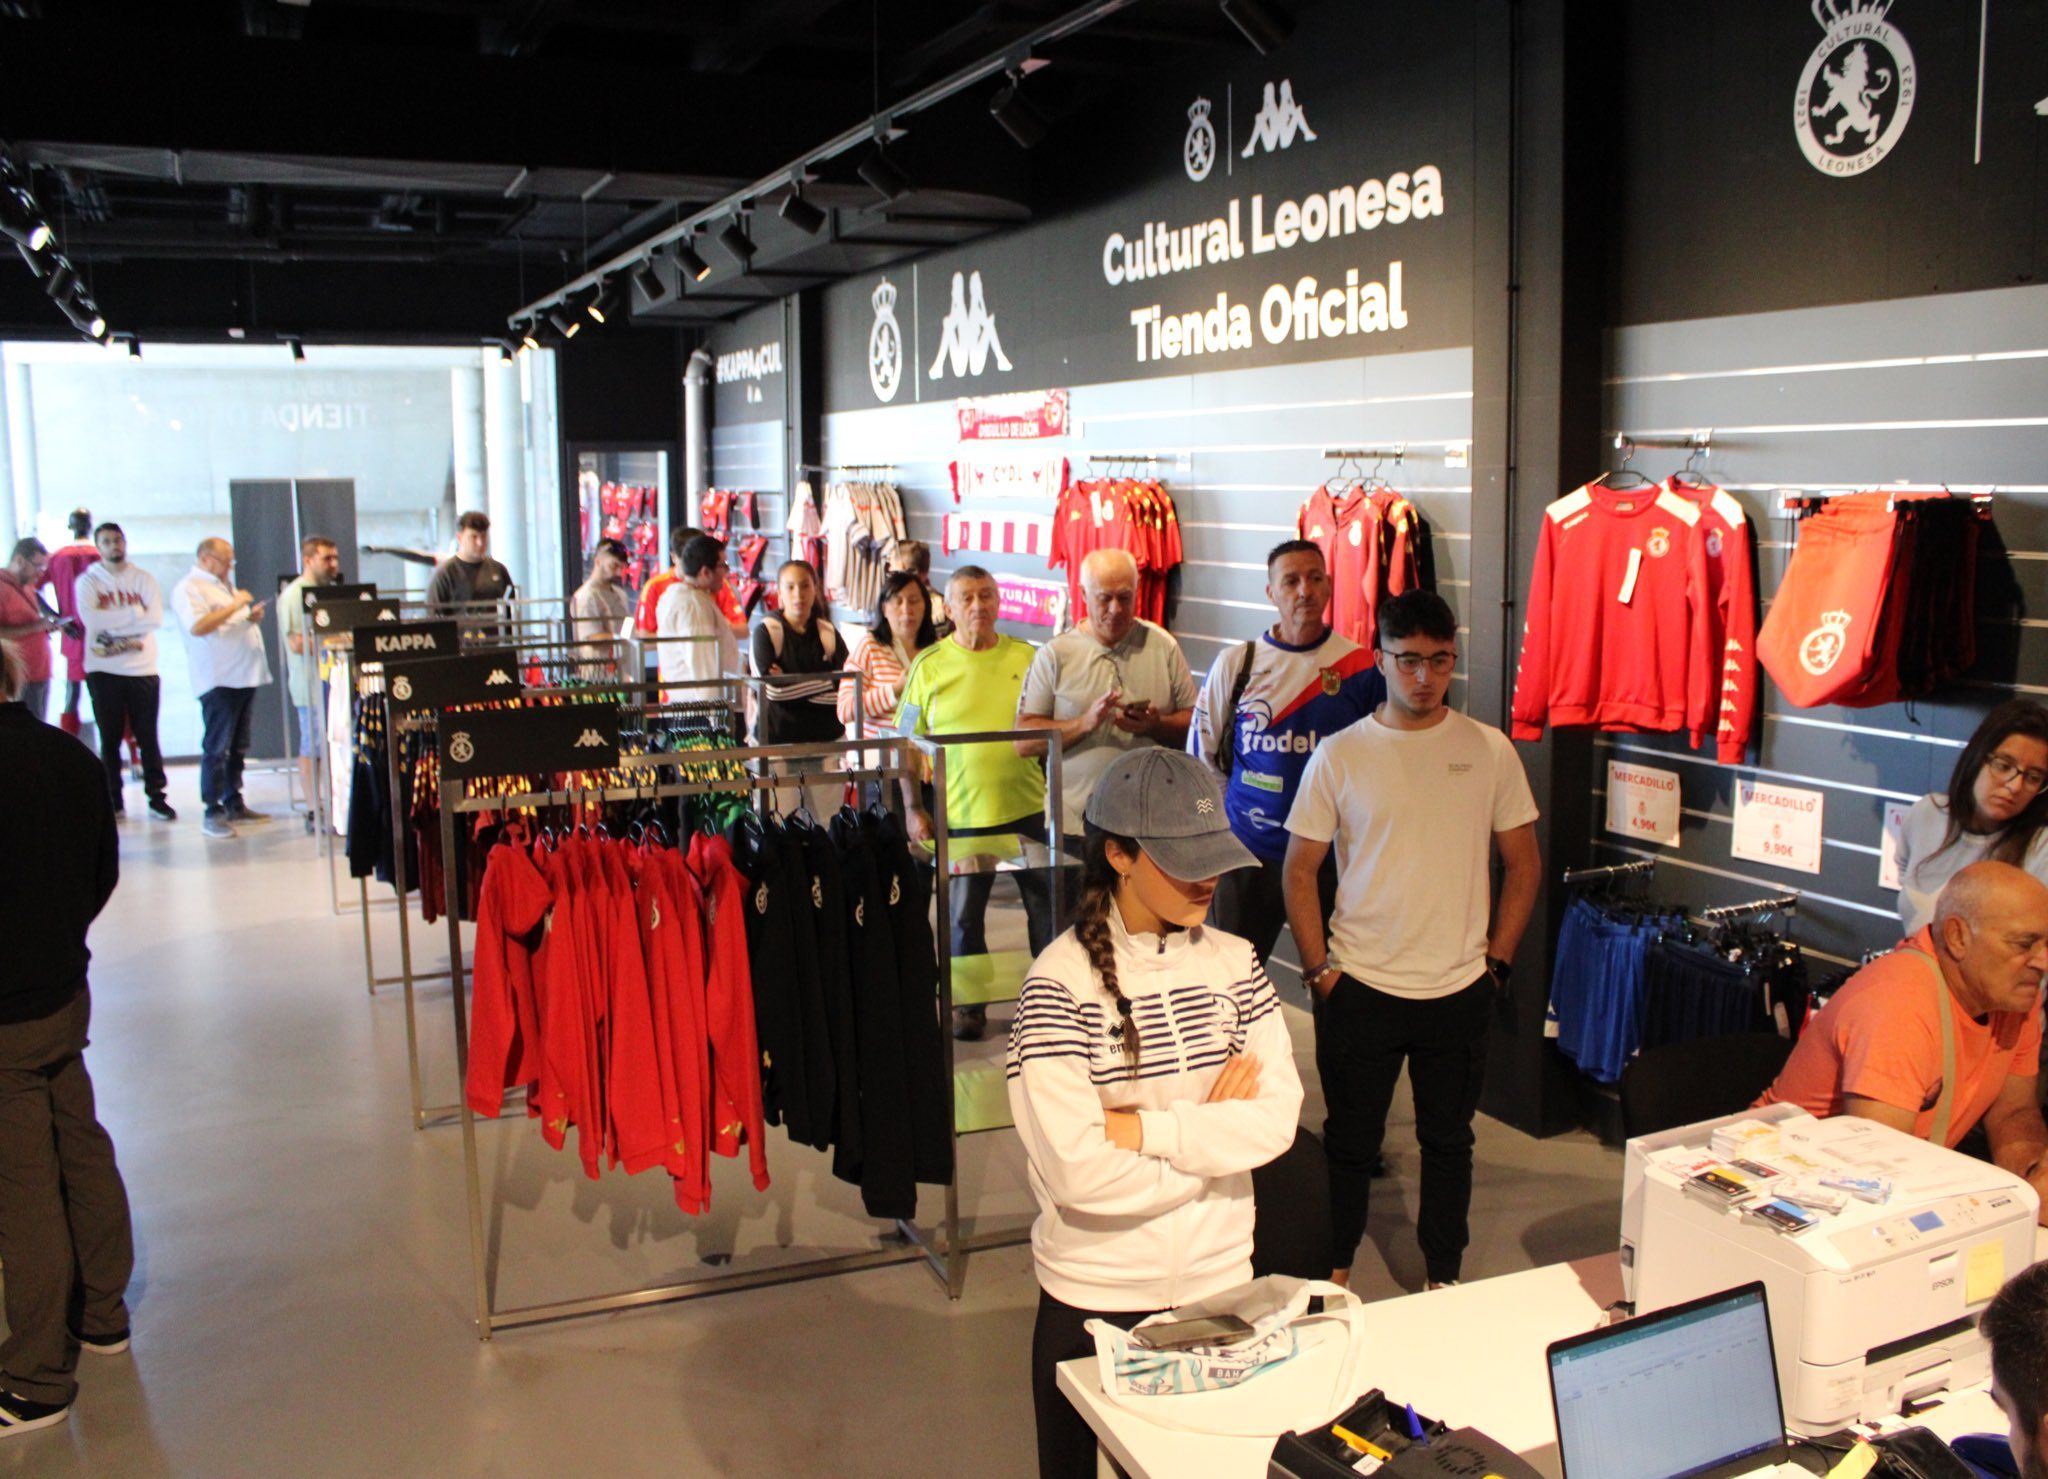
{"points": [[1779, 825], [530, 741], [1856, 91], [749, 367], [332, 618], [379, 642], [1027, 415], [1037, 603], [315, 594], [1889, 845], [1643, 802], [443, 682]]}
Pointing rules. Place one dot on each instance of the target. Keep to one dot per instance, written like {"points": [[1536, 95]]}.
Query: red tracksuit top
{"points": [[1346, 529], [1731, 595], [503, 1033], [729, 1007], [672, 933], [638, 1127], [1616, 632]]}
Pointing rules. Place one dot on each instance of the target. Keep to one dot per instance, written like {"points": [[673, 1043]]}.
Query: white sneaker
{"points": [[215, 824]]}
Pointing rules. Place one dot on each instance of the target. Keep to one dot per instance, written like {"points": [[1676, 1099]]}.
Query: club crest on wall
{"points": [[1857, 89]]}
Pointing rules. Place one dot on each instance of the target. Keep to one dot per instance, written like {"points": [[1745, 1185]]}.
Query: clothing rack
{"points": [[826, 469], [1799, 505], [1612, 870], [1693, 441], [943, 1250], [1776, 904]]}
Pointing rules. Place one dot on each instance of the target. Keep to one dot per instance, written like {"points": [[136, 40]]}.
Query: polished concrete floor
{"points": [[304, 1294]]}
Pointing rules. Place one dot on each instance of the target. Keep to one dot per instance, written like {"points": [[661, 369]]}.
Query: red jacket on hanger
{"points": [[729, 1007]]}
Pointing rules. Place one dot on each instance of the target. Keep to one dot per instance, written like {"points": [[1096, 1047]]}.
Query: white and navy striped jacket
{"points": [[1148, 1229]]}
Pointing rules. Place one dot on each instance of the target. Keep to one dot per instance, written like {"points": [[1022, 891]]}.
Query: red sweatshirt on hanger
{"points": [[729, 1007], [1731, 596], [639, 1133], [671, 930], [504, 1037]]}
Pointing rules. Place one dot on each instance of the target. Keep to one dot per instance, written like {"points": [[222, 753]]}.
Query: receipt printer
{"points": [[1878, 1250]]}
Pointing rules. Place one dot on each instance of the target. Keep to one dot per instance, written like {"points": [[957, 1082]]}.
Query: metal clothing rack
{"points": [[1612, 870], [1799, 505], [943, 1250], [826, 469], [1786, 903]]}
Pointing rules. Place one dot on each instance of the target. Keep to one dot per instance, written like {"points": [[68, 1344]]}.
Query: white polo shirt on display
{"points": [[1412, 814], [229, 656]]}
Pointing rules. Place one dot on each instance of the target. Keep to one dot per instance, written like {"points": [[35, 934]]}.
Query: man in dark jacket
{"points": [[64, 1232]]}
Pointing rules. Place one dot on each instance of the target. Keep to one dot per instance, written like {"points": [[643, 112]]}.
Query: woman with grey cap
{"points": [[1149, 1073]]}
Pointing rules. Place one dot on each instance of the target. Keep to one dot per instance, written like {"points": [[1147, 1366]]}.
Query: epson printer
{"points": [[1873, 1306]]}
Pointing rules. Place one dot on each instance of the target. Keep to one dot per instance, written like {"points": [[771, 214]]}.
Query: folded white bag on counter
{"points": [[1295, 1370]]}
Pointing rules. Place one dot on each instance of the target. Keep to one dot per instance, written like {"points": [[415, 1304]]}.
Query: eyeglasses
{"points": [[1410, 663], [2003, 770]]}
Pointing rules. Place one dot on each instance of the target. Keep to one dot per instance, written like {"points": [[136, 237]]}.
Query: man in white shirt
{"points": [[600, 609], [121, 606], [1417, 798], [224, 653], [1113, 683], [689, 608]]}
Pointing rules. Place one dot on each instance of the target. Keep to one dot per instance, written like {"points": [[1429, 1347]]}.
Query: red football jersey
{"points": [[1731, 611]]}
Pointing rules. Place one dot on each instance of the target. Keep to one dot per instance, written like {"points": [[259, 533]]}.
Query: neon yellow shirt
{"points": [[950, 690]]}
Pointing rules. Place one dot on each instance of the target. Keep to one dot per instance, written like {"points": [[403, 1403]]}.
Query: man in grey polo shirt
{"points": [[1112, 684]]}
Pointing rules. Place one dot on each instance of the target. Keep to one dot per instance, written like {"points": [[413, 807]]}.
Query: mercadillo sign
{"points": [[1290, 209]]}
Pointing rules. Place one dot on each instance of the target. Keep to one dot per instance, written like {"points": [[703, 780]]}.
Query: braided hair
{"points": [[1099, 880]]}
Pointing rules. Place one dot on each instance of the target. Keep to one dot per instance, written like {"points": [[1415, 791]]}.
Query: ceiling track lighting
{"points": [[298, 349], [688, 259], [1263, 23], [602, 302], [60, 281], [563, 324], [735, 240], [1011, 109], [801, 213], [881, 172], [648, 281], [134, 347], [21, 221]]}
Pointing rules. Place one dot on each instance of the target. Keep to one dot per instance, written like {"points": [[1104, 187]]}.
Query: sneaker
{"points": [[312, 825], [104, 1345], [1443, 1283], [19, 1415], [215, 824], [164, 810], [242, 812], [969, 1023]]}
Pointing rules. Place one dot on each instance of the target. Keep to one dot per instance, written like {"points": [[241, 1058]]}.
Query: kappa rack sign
{"points": [[1857, 89], [540, 741], [405, 639], [439, 682]]}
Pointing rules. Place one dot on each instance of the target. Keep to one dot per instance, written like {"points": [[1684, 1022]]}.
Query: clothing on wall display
{"points": [[1879, 601], [1375, 544], [1731, 612], [861, 524], [1009, 534], [1131, 514], [805, 527], [1013, 475]]}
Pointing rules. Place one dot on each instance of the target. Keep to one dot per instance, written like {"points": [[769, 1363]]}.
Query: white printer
{"points": [[1873, 1306]]}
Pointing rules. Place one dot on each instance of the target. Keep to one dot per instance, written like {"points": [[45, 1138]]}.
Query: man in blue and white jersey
{"points": [[1266, 705]]}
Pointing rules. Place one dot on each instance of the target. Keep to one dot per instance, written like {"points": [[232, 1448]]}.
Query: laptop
{"points": [[1687, 1391]]}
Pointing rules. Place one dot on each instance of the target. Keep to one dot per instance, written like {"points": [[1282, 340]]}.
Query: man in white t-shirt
{"points": [[689, 608], [224, 655], [1417, 798]]}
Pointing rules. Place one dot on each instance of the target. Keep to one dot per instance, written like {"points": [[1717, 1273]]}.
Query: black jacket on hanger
{"points": [[829, 1037], [779, 945], [906, 891], [888, 1178]]}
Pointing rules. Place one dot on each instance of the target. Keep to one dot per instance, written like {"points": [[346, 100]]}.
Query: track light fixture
{"points": [[799, 212], [21, 221], [1264, 23], [528, 339], [647, 278], [506, 351], [1010, 108], [688, 259], [298, 349], [564, 324], [60, 281], [881, 172], [134, 347], [735, 240], [602, 302]]}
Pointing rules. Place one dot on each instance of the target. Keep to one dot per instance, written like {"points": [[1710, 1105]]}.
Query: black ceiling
{"points": [[420, 168]]}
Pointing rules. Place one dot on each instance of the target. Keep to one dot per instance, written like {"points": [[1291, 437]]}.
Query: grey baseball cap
{"points": [[1171, 805]]}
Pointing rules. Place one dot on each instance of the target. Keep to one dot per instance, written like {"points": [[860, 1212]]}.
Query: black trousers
{"points": [[1363, 1036], [970, 893], [1066, 1444], [121, 703], [223, 745], [1252, 903]]}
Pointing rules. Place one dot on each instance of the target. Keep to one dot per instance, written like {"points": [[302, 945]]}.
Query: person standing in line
{"points": [[24, 621], [600, 608], [122, 606], [1417, 798], [915, 556], [1150, 1073], [1267, 705], [899, 630], [788, 647], [969, 683], [320, 564], [1995, 809], [470, 574], [66, 565], [1115, 683], [689, 608], [64, 1224], [224, 654]]}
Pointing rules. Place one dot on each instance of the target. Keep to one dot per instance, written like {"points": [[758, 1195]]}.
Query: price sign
{"points": [[1888, 848], [531, 741], [1643, 802], [1779, 825]]}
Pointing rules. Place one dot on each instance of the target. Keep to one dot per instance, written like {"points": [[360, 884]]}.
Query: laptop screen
{"points": [[1681, 1391]]}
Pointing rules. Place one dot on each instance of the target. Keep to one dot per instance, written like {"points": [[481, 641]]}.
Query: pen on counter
{"points": [[1415, 1427]]}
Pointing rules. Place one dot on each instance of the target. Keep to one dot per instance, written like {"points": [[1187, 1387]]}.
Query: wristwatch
{"points": [[1500, 970]]}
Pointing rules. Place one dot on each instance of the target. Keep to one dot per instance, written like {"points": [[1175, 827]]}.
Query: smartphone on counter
{"points": [[1178, 1335]]}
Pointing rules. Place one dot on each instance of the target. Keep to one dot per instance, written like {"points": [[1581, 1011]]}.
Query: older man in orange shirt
{"points": [[1943, 1032]]}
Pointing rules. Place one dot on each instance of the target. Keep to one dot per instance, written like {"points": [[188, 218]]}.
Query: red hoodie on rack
{"points": [[729, 1006], [671, 933], [504, 1038]]}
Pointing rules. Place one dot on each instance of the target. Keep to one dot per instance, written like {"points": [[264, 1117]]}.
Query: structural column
{"points": [[503, 427]]}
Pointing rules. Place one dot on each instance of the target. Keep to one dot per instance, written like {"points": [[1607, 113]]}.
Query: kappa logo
{"points": [[1857, 89], [1823, 647], [1660, 543], [401, 688], [387, 614], [1279, 123], [761, 899], [498, 676], [885, 344], [1198, 150], [967, 334], [461, 749], [590, 739]]}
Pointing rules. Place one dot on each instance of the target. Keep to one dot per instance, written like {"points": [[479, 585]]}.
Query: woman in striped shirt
{"points": [[902, 627], [798, 641]]}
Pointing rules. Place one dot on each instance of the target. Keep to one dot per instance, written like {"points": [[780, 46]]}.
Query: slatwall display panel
{"points": [[749, 455], [1239, 450], [1936, 391]]}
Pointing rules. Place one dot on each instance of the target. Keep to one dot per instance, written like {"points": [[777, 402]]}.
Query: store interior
{"points": [[822, 277]]}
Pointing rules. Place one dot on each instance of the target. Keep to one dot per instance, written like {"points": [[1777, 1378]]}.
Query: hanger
{"points": [[1612, 478], [1691, 474]]}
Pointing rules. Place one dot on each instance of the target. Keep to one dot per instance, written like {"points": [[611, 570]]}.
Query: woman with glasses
{"points": [[1995, 807]]}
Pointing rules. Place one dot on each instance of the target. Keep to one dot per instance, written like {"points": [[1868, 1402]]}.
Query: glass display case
{"points": [[622, 493]]}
